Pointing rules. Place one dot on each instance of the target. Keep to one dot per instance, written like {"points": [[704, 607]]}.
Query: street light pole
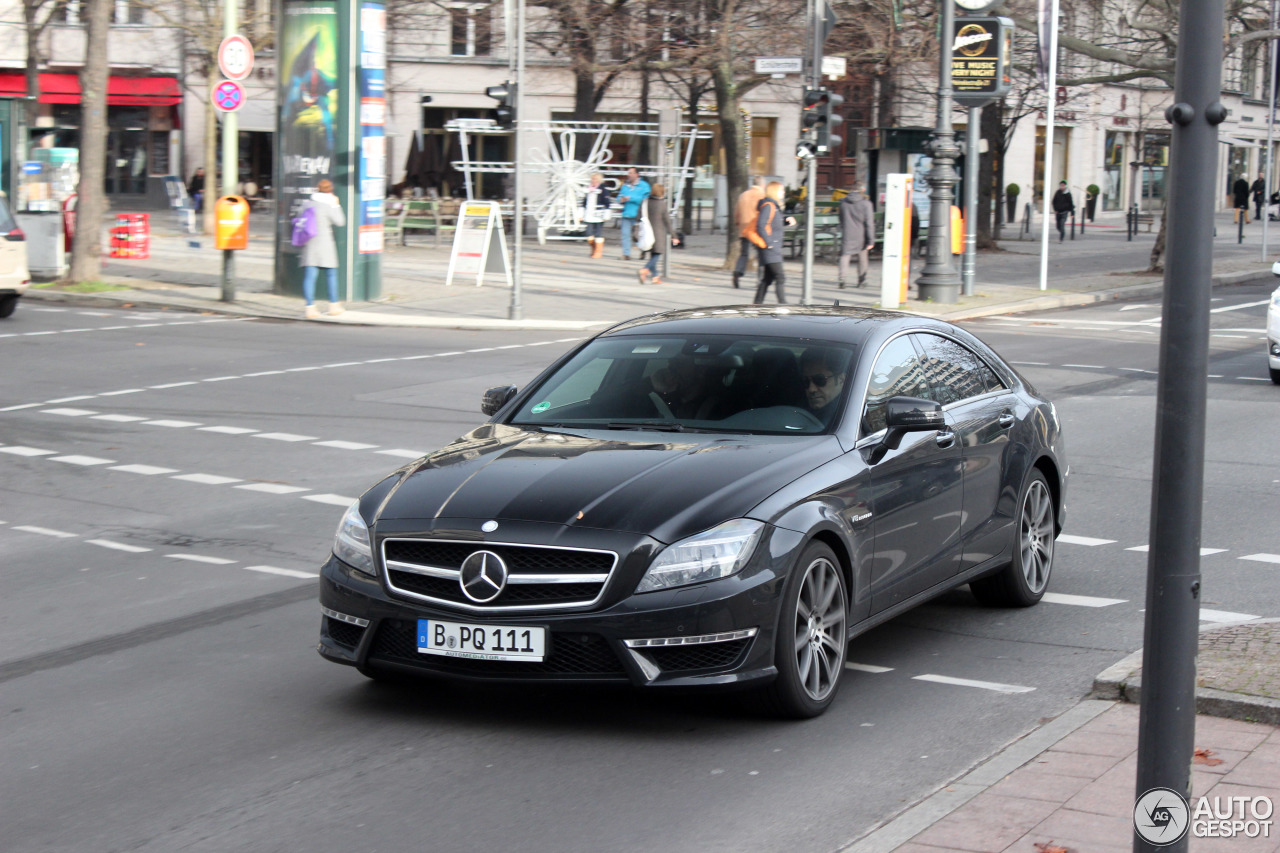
{"points": [[940, 282], [515, 311], [230, 159]]}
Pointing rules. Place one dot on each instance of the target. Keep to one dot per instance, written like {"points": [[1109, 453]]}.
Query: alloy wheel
{"points": [[820, 629], [1036, 536]]}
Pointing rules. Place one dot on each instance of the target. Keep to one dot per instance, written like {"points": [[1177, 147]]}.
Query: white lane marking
{"points": [[1084, 540], [221, 378], [74, 459], [380, 360], [45, 531], [263, 373], [71, 413], [866, 667], [335, 500], [1204, 552], [303, 369], [118, 546], [1080, 600], [342, 364], [147, 470], [19, 450], [33, 334], [286, 436], [50, 310], [288, 573], [207, 479], [1086, 366], [1262, 558], [66, 400], [346, 445], [272, 488], [197, 558], [1238, 307], [172, 385], [1135, 307], [1225, 615], [228, 430], [403, 454], [172, 424], [23, 406], [125, 391], [119, 419], [1138, 370], [967, 682], [1252, 379], [1030, 363]]}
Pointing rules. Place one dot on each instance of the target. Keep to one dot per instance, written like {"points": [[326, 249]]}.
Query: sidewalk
{"points": [[563, 289], [1070, 784]]}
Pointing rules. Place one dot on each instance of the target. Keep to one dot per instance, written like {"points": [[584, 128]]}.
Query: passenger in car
{"points": [[690, 388], [822, 373]]}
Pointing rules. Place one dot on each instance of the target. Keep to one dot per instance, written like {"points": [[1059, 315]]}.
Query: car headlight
{"points": [[716, 553], [351, 542]]}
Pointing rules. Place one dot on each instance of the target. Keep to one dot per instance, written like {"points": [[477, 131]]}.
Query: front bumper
{"points": [[731, 623]]}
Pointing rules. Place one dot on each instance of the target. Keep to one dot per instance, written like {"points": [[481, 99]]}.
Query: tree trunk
{"points": [[646, 151], [584, 94], [735, 155], [31, 10], [91, 203], [1157, 251], [211, 182], [695, 93]]}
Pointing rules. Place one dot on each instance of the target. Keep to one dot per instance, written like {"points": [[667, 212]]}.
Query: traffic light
{"points": [[805, 149], [811, 115], [829, 121], [505, 95]]}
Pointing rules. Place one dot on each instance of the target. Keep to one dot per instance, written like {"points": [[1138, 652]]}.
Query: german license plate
{"points": [[481, 642]]}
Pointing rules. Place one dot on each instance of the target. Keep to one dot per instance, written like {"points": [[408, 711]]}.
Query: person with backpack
{"points": [[768, 237], [319, 250]]}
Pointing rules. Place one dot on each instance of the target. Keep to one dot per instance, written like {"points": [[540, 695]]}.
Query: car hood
{"points": [[667, 487]]}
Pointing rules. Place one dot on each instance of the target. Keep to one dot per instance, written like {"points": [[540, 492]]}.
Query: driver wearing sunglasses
{"points": [[822, 374]]}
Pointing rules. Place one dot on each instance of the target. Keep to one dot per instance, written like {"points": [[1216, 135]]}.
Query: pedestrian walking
{"points": [[1063, 206], [744, 217], [595, 212], [770, 224], [857, 233], [1259, 191], [1240, 199], [195, 189], [632, 195], [660, 221], [321, 251]]}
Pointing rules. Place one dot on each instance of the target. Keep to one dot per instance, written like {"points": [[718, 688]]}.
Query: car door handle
{"points": [[946, 438], [1006, 420]]}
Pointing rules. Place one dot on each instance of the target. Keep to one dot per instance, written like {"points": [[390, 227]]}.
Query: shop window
{"points": [[129, 12], [66, 12]]}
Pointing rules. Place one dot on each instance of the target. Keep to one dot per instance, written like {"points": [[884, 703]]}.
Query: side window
{"points": [[953, 371], [897, 373]]}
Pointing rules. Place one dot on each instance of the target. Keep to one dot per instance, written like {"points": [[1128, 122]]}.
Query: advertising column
{"points": [[332, 103]]}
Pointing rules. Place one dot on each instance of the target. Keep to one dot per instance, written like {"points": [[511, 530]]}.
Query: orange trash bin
{"points": [[232, 215]]}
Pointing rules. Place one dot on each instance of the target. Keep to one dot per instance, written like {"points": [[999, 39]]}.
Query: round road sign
{"points": [[235, 57], [228, 96]]}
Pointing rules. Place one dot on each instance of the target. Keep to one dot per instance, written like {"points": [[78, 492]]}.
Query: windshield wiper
{"points": [[660, 426]]}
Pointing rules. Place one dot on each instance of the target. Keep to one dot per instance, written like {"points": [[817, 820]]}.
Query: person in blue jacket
{"points": [[633, 194]]}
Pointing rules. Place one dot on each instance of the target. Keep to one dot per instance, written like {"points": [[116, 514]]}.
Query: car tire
{"points": [[813, 634], [1022, 583], [1275, 374], [8, 303]]}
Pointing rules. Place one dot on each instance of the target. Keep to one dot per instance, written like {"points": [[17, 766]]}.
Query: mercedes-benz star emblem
{"points": [[483, 576]]}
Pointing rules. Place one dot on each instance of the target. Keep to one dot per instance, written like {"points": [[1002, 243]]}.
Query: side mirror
{"points": [[904, 415], [496, 398]]}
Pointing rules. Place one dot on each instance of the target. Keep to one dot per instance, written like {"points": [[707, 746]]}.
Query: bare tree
{"points": [[36, 15], [91, 203]]}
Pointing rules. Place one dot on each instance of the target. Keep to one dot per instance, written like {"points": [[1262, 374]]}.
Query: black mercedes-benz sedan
{"points": [[717, 497]]}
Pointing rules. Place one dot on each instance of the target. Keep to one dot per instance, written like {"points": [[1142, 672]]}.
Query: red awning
{"points": [[121, 91]]}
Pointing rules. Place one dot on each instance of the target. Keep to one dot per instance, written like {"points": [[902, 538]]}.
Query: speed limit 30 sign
{"points": [[235, 57]]}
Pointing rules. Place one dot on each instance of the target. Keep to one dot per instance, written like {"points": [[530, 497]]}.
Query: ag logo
{"points": [[1161, 816]]}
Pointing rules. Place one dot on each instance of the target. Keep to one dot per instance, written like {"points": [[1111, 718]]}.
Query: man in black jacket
{"points": [[1259, 189], [857, 232], [1063, 206]]}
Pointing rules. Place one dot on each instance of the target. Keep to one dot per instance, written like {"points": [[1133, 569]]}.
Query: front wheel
{"points": [[9, 302], [809, 649], [1023, 582], [1275, 374]]}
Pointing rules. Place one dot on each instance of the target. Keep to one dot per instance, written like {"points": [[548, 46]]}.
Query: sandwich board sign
{"points": [[479, 243]]}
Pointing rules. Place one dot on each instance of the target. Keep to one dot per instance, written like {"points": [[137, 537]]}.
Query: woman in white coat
{"points": [[321, 251]]}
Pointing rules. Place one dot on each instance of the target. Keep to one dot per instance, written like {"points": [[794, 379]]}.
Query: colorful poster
{"points": [[373, 119], [308, 105]]}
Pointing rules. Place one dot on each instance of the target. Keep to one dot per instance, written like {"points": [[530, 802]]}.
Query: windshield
{"points": [[704, 383]]}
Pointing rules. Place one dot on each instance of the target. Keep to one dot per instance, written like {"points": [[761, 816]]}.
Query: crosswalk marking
{"points": [[148, 470], [119, 419], [1204, 552], [1262, 558], [968, 682], [346, 445], [19, 450], [272, 488], [404, 454], [198, 558], [207, 479], [1084, 540], [228, 430], [288, 573], [1225, 616], [70, 413], [335, 500], [118, 546], [1081, 600], [173, 424], [286, 436], [75, 459], [45, 531]]}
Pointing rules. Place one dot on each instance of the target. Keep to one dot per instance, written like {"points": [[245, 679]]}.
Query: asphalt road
{"points": [[171, 483]]}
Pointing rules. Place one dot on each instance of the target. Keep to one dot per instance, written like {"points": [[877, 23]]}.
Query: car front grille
{"points": [[704, 656], [571, 654], [538, 578]]}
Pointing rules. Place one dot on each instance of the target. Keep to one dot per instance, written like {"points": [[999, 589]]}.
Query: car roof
{"points": [[805, 322]]}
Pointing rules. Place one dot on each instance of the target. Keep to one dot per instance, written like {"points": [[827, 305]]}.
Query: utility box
{"points": [[46, 257], [232, 215]]}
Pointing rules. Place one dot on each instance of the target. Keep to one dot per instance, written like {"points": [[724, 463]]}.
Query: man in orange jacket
{"points": [[745, 218]]}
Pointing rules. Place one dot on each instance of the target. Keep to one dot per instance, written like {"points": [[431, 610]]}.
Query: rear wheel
{"points": [[1023, 582], [809, 650], [10, 302]]}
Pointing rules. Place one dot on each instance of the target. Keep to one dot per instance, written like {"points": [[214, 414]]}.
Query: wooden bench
{"points": [[826, 235], [392, 231], [427, 214]]}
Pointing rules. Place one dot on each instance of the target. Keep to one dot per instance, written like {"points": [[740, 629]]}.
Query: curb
{"points": [[916, 819], [1122, 681]]}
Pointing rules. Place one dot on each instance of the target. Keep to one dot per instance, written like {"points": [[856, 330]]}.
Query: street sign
{"points": [[779, 65], [228, 96], [981, 60], [235, 57], [835, 67]]}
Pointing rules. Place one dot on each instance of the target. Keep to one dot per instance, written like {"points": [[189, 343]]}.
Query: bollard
{"points": [[1241, 213], [1073, 225]]}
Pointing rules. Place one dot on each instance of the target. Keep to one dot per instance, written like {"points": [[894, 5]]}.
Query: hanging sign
{"points": [[980, 60], [479, 243]]}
